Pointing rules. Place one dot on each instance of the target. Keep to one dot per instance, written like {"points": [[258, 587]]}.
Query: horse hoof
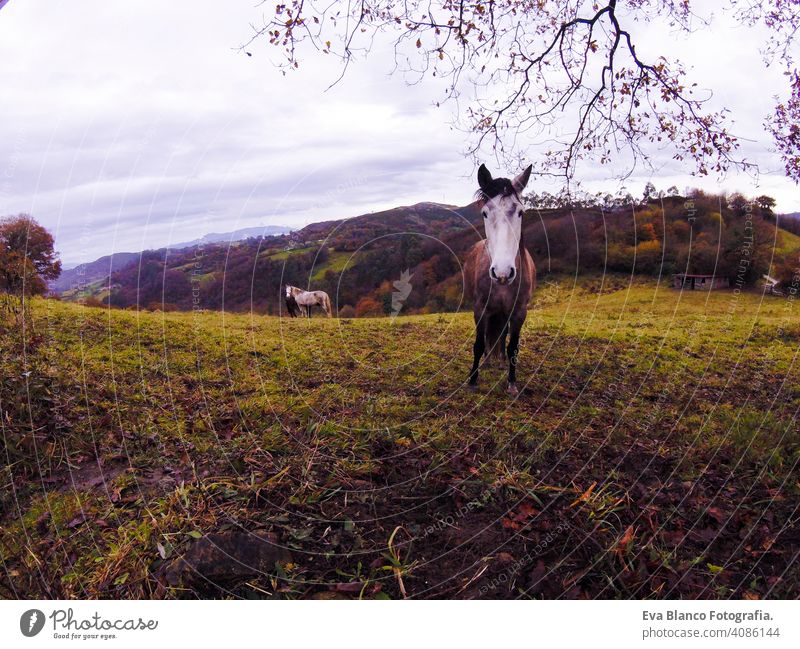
{"points": [[473, 387], [512, 390]]}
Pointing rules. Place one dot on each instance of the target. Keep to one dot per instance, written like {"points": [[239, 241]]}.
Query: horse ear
{"points": [[484, 177], [521, 181]]}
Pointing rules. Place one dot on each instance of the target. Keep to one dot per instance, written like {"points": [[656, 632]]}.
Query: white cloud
{"points": [[130, 125]]}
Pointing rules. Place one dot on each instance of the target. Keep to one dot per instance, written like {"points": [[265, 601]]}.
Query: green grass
{"points": [[655, 435], [285, 254], [787, 242], [94, 289], [337, 262]]}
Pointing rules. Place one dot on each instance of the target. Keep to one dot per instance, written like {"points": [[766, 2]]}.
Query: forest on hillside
{"points": [[357, 261]]}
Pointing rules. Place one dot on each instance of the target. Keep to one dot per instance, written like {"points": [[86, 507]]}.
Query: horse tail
{"points": [[496, 330], [326, 303]]}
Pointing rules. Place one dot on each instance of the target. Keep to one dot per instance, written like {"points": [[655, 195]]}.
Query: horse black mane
{"points": [[495, 187]]}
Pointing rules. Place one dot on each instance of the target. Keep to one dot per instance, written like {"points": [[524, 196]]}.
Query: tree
{"points": [[738, 203], [766, 204], [650, 192], [27, 257], [785, 128], [533, 63], [648, 257], [368, 307]]}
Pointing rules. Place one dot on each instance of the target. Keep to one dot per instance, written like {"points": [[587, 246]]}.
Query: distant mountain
{"points": [[81, 276], [77, 279], [236, 235]]}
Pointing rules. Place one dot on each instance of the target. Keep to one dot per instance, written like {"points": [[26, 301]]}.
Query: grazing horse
{"points": [[291, 305], [499, 273], [307, 299]]}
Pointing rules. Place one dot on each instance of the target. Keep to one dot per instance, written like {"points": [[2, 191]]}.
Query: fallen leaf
{"points": [[78, 520], [585, 495]]}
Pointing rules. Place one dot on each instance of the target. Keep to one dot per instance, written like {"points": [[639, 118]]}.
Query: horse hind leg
{"points": [[513, 353], [478, 348], [500, 350]]}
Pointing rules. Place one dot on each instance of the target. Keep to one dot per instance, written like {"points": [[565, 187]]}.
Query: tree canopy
{"points": [[27, 256], [535, 62]]}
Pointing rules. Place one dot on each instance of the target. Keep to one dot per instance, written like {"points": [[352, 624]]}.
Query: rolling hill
{"points": [[357, 260], [90, 278], [167, 277], [83, 278]]}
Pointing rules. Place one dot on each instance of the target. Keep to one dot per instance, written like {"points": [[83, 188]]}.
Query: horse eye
{"points": [[485, 214]]}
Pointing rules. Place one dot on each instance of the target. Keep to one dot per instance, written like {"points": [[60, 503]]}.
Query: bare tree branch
{"points": [[538, 66]]}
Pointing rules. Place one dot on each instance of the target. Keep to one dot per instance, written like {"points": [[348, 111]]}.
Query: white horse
{"points": [[307, 299]]}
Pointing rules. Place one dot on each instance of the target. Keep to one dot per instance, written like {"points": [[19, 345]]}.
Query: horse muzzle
{"points": [[505, 277]]}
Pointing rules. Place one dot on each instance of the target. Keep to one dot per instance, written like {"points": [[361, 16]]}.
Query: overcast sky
{"points": [[132, 125]]}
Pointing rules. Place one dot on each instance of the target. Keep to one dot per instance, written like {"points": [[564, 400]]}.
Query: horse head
{"points": [[502, 217]]}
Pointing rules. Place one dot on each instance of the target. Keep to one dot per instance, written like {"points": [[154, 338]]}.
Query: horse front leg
{"points": [[478, 348]]}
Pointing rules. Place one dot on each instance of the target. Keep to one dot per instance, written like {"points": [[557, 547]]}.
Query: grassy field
{"points": [[652, 453]]}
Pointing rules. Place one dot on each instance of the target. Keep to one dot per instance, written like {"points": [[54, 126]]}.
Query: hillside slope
{"points": [[248, 275], [79, 278], [358, 260]]}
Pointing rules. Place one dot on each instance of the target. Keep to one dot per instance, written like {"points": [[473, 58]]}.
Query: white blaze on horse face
{"points": [[503, 221], [502, 216]]}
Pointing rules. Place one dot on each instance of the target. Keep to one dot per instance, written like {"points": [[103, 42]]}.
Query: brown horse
{"points": [[499, 274]]}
